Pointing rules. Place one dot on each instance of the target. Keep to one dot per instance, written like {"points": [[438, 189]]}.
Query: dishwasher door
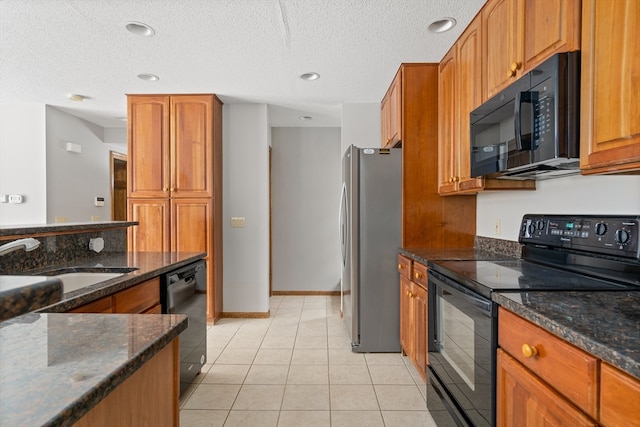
{"points": [[184, 292]]}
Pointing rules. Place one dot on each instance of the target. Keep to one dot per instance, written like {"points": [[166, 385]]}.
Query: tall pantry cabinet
{"points": [[175, 180]]}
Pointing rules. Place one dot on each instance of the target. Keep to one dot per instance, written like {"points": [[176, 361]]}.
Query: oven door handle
{"points": [[480, 303], [443, 283]]}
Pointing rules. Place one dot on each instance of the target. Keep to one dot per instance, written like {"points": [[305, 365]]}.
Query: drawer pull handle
{"points": [[529, 350]]}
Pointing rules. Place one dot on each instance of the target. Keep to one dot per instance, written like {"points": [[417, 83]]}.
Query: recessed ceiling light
{"points": [[442, 25], [140, 29], [75, 97], [305, 118], [148, 77], [310, 76]]}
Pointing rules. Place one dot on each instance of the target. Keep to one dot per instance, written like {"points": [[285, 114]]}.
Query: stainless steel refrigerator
{"points": [[370, 235]]}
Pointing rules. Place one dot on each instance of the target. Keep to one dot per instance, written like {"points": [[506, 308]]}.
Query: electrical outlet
{"points": [[61, 219], [498, 227], [95, 217]]}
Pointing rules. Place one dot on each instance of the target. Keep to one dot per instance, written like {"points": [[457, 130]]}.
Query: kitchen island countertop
{"points": [[55, 367]]}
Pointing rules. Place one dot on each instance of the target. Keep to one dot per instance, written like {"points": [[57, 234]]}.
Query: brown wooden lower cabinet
{"points": [[542, 380], [413, 314], [141, 298], [619, 397], [149, 397], [523, 400]]}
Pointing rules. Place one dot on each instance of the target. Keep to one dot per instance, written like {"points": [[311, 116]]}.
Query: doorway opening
{"points": [[118, 186]]}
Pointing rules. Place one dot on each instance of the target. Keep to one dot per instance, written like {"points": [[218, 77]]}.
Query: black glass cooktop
{"points": [[519, 275]]}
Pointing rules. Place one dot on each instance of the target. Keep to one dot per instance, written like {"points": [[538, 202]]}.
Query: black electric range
{"points": [[559, 253]]}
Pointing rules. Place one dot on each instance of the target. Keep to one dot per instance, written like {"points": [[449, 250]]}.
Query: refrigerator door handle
{"points": [[343, 219]]}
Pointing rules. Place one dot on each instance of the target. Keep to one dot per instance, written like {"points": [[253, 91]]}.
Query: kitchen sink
{"points": [[77, 280]]}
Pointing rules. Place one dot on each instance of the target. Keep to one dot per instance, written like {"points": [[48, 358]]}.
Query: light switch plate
{"points": [[238, 222]]}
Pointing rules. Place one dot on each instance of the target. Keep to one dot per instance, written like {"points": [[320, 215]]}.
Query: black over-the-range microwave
{"points": [[531, 129]]}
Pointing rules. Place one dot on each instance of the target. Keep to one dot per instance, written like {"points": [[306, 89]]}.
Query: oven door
{"points": [[462, 346]]}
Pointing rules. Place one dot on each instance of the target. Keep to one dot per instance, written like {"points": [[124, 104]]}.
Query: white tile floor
{"points": [[297, 369]]}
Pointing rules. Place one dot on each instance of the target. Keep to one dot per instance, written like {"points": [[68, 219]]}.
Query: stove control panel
{"points": [[615, 235]]}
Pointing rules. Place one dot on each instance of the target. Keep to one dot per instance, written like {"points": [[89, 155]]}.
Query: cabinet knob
{"points": [[515, 66], [400, 266], [164, 189], [417, 275], [529, 350]]}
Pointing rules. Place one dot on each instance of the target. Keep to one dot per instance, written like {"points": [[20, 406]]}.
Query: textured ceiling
{"points": [[242, 50]]}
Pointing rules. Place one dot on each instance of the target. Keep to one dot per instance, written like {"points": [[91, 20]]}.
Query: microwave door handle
{"points": [[517, 120], [521, 98]]}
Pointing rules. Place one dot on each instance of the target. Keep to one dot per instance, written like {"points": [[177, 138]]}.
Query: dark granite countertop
{"points": [[23, 294], [423, 256], [605, 324], [147, 265], [34, 229], [53, 370]]}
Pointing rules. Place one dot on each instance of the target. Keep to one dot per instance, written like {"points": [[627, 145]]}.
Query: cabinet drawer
{"points": [[619, 397], [404, 266], [102, 305], [419, 274], [138, 298], [569, 370]]}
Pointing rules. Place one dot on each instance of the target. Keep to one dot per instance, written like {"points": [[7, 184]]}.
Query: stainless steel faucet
{"points": [[27, 244]]}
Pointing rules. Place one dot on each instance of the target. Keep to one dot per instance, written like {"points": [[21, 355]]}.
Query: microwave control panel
{"points": [[616, 235]]}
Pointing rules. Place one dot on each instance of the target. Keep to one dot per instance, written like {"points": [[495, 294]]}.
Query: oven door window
{"points": [[462, 348]]}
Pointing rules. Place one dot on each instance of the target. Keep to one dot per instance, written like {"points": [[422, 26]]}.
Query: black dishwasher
{"points": [[183, 291]]}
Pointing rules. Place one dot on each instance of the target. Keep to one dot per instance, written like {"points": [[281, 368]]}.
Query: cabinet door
{"points": [[523, 400], [102, 305], [191, 225], [148, 146], [420, 322], [191, 146], [395, 111], [447, 124], [152, 234], [500, 44], [406, 332], [138, 298], [385, 121], [550, 27], [610, 111], [469, 83], [619, 397]]}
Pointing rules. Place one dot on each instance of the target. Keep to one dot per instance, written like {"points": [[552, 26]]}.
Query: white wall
{"points": [[306, 179], [75, 179], [596, 195], [360, 125], [246, 194], [23, 164]]}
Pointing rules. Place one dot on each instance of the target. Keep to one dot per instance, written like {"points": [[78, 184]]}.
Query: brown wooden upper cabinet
{"points": [[460, 92], [171, 141], [520, 34], [610, 82], [411, 101], [391, 113]]}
